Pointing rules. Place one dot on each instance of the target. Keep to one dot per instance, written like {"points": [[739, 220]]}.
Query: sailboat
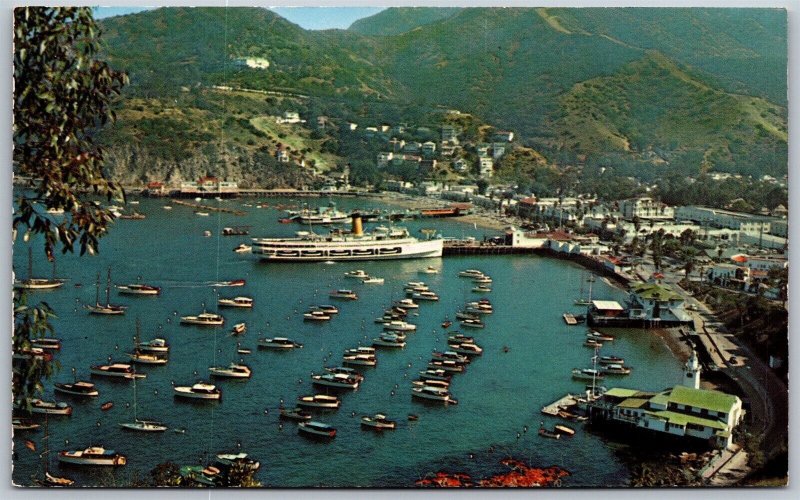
{"points": [[141, 425], [32, 283], [585, 301], [108, 308], [50, 480]]}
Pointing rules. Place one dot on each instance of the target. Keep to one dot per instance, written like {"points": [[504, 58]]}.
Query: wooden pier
{"points": [[481, 248], [209, 208], [567, 401]]}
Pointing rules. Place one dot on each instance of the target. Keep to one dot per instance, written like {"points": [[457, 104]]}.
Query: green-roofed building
{"points": [[649, 305], [681, 411]]}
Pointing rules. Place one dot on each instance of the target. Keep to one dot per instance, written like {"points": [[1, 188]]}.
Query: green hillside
{"points": [[397, 20]]}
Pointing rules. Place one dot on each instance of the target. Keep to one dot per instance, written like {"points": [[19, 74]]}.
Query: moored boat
{"points": [[244, 302], [316, 316], [343, 294], [326, 308], [427, 295], [233, 370], [359, 360], [199, 390], [389, 341], [466, 348], [356, 274], [616, 369], [446, 365], [379, 421], [319, 401], [611, 359], [242, 248], [94, 455], [80, 389], [587, 374], [406, 304], [435, 373], [229, 283], [50, 407], [138, 289], [482, 289], [548, 433], [21, 424], [399, 326], [144, 426], [564, 430], [239, 329], [203, 319], [433, 394], [116, 370], [157, 345], [429, 270], [472, 323], [47, 343], [337, 380], [147, 358], [373, 280], [600, 336], [297, 414], [278, 343], [313, 428], [470, 273]]}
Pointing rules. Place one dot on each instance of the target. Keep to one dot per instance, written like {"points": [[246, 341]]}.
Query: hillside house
{"points": [[450, 134], [645, 208], [503, 136], [485, 167]]}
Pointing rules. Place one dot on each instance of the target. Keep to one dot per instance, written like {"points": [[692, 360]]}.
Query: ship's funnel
{"points": [[357, 229]]}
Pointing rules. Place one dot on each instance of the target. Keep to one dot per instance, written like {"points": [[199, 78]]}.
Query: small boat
{"points": [[470, 273], [600, 336], [235, 231], [343, 294], [297, 414], [144, 426], [359, 360], [319, 401], [479, 307], [435, 374], [157, 345], [429, 270], [594, 344], [406, 304], [278, 343], [482, 289], [466, 348], [94, 455], [326, 308], [446, 365], [207, 234], [242, 248], [378, 422], [167, 207], [33, 353], [20, 424], [616, 369], [456, 337], [243, 350], [482, 279], [564, 430], [450, 356], [433, 394], [138, 289], [47, 343], [389, 341], [133, 216], [567, 415], [107, 405], [233, 370], [431, 383], [460, 315], [447, 323], [245, 302], [345, 371], [472, 323], [361, 350], [201, 214], [318, 429], [337, 380], [203, 319], [239, 329], [399, 326], [81, 389], [587, 374], [372, 280], [238, 460], [116, 370], [198, 391], [229, 283], [549, 434], [108, 308], [357, 274], [50, 407], [316, 316], [146, 358], [427, 295], [412, 417], [611, 360]]}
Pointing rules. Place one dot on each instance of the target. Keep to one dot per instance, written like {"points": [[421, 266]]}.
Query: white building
{"points": [[746, 223], [290, 117], [485, 166], [384, 158], [645, 208]]}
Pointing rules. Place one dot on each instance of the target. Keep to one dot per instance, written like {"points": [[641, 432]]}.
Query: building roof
{"points": [[702, 398], [655, 291], [607, 305], [633, 403], [620, 392], [683, 419]]}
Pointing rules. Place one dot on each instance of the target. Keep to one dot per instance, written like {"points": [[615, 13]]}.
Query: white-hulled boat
{"points": [[399, 326], [460, 315], [94, 455], [244, 302], [472, 323], [394, 243], [144, 426], [147, 358], [81, 389], [326, 308], [361, 350], [38, 284], [435, 373], [411, 290], [603, 337], [405, 304], [450, 356], [587, 374], [457, 337], [343, 294], [594, 344], [50, 407], [238, 460], [482, 289], [611, 360], [413, 284], [359, 360], [433, 394], [229, 283], [278, 343], [428, 295], [316, 316], [138, 289], [47, 343], [446, 365], [116, 370], [233, 370], [157, 345], [198, 391], [378, 422], [108, 308], [470, 273], [345, 371], [421, 382], [429, 270], [203, 319], [357, 274], [479, 307], [21, 425], [318, 429], [482, 279], [373, 280], [319, 401], [467, 348], [337, 380], [616, 369], [243, 248], [389, 341], [239, 329], [297, 414]]}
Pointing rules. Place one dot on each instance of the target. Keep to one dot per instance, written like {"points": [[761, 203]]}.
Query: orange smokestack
{"points": [[357, 229]]}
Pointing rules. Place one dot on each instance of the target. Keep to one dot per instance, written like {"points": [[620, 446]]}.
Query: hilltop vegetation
{"points": [[400, 19]]}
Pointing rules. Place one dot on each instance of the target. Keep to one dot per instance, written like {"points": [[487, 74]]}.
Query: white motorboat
{"points": [[587, 374], [343, 294], [450, 356], [337, 380], [94, 455], [244, 302], [373, 280], [378, 422], [203, 319], [429, 270], [428, 295], [433, 394], [421, 382], [472, 323], [389, 341], [238, 460], [116, 370], [198, 391], [456, 337], [50, 407], [611, 360], [603, 337], [470, 273], [21, 425], [406, 304], [138, 289], [242, 248], [297, 414], [359, 360], [345, 371], [399, 326], [147, 358], [316, 316], [482, 279], [278, 343], [157, 345], [435, 373], [239, 329], [82, 389], [361, 350], [233, 370], [319, 401], [616, 369], [467, 348], [482, 289], [326, 308], [446, 365], [46, 343], [357, 274], [318, 429]]}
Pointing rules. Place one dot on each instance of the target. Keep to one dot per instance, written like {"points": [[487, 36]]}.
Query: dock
{"points": [[566, 402], [570, 319], [209, 208]]}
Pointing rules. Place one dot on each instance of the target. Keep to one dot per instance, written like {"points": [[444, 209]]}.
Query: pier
{"points": [[209, 207], [562, 404]]}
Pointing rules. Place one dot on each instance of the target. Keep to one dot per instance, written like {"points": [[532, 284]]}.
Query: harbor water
{"points": [[528, 356]]}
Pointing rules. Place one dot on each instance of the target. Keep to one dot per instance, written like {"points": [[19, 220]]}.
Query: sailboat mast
{"points": [[108, 287], [97, 291]]}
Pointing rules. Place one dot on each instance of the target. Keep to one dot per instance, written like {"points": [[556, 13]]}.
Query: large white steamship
{"points": [[380, 244]]}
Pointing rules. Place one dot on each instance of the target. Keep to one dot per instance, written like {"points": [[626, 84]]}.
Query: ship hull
{"points": [[347, 251]]}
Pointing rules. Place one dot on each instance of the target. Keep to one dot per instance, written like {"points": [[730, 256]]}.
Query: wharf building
{"points": [[208, 187], [649, 305], [685, 412]]}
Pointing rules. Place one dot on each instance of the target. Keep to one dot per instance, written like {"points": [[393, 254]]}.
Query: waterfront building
{"points": [[645, 208], [649, 305], [739, 221], [207, 186]]}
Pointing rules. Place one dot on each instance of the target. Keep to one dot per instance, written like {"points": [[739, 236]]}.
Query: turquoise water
{"points": [[500, 394]]}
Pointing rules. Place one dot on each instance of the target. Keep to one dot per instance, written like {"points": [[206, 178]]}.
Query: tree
{"points": [[62, 95]]}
